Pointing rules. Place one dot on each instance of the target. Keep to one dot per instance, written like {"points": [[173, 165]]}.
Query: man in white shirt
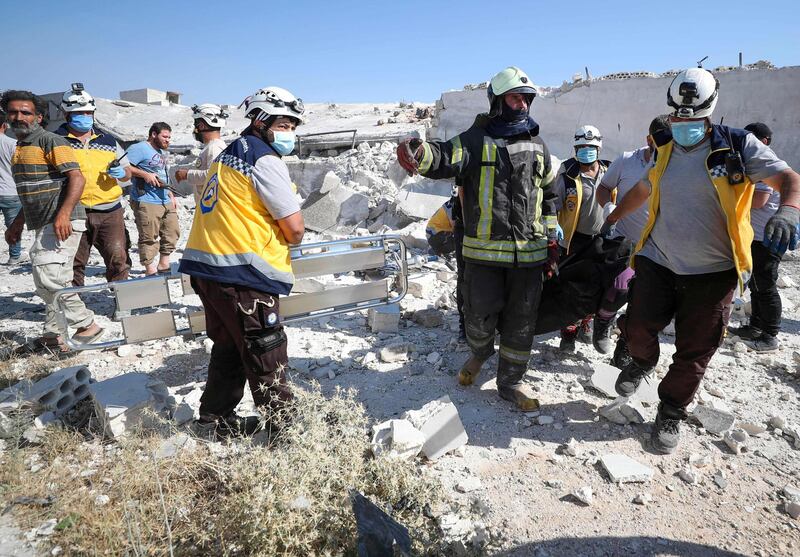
{"points": [[10, 204], [208, 121]]}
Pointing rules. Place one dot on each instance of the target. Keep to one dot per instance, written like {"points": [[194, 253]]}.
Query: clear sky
{"points": [[349, 51]]}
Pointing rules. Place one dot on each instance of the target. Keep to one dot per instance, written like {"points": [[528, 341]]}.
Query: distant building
{"points": [[151, 96]]}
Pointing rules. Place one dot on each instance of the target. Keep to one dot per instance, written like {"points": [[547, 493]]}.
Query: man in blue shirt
{"points": [[153, 204]]}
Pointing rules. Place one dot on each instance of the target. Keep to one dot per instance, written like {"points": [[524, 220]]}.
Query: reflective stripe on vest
{"points": [[486, 190], [427, 158], [458, 150]]}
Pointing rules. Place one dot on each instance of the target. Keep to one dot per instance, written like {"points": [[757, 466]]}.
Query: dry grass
{"points": [[237, 499]]}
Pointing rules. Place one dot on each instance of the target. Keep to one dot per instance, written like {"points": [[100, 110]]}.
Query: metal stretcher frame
{"points": [[386, 254]]}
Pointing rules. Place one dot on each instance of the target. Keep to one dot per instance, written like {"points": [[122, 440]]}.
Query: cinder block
{"points": [[384, 319], [440, 423], [56, 393]]}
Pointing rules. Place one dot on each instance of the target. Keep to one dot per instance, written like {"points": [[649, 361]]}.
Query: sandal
{"points": [[167, 271], [88, 338]]}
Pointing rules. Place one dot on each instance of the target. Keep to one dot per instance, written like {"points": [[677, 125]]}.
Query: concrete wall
{"points": [[150, 96], [622, 110]]}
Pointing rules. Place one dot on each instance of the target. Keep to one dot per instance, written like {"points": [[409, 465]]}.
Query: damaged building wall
{"points": [[622, 110]]}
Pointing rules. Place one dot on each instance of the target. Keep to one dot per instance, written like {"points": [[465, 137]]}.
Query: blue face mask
{"points": [[81, 122], [586, 155], [283, 143], [687, 134]]}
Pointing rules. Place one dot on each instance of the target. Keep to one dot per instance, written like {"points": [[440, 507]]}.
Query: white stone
{"points": [[440, 423], [793, 509], [170, 447], [624, 410], [737, 439], [753, 429], [584, 495], [715, 391], [101, 500], [643, 499], [129, 401], [125, 351], [785, 281], [545, 420], [699, 461], [689, 476], [397, 439], [433, 358], [791, 493], [713, 420], [740, 348], [446, 276], [721, 479], [469, 484], [384, 319], [422, 287], [571, 448], [623, 469], [397, 352], [300, 503], [778, 422], [208, 344]]}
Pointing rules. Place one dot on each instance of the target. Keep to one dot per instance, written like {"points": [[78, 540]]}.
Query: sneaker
{"points": [[621, 357], [601, 336], [745, 333], [630, 378], [667, 430], [763, 343]]}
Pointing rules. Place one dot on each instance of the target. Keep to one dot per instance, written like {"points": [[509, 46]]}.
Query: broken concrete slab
{"points": [[623, 469], [130, 401], [397, 352], [396, 439], [418, 205], [605, 376], [170, 447], [429, 317], [714, 421], [584, 495], [57, 393], [736, 439], [384, 319], [441, 424], [340, 207], [422, 287], [623, 411], [187, 406]]}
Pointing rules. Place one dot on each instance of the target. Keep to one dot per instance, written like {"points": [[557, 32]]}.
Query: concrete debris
{"points": [[129, 401], [793, 509], [720, 478], [715, 391], [469, 484], [584, 495], [422, 287], [429, 317], [571, 448], [433, 358], [170, 447], [440, 423], [643, 499], [340, 208], [421, 199], [446, 276], [300, 503], [126, 351], [791, 493], [102, 500], [623, 469], [737, 439], [307, 286], [605, 376], [397, 439], [699, 461], [384, 319], [624, 410], [208, 345], [713, 420], [740, 348], [753, 429], [57, 393], [785, 281], [187, 406], [545, 420], [689, 475], [397, 352]]}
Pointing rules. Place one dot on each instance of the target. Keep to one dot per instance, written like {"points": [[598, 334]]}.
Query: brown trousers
{"points": [[249, 346], [158, 230], [701, 305], [107, 233]]}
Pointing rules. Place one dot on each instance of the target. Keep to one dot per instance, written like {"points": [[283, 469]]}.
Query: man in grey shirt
{"points": [[696, 243], [9, 200]]}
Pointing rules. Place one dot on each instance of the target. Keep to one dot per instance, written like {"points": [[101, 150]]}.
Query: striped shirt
{"points": [[39, 166]]}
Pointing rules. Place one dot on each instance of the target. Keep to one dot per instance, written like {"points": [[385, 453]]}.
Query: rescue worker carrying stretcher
{"points": [[504, 175]]}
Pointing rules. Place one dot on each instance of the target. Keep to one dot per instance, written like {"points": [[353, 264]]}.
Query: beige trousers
{"points": [[51, 260], [158, 230]]}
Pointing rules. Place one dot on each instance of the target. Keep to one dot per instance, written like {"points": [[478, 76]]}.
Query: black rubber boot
{"points": [[621, 357], [601, 335], [510, 386], [745, 333]]}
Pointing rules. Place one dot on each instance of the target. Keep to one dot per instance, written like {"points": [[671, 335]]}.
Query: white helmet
{"points": [[274, 101], [588, 135], [77, 100], [693, 93], [211, 114]]}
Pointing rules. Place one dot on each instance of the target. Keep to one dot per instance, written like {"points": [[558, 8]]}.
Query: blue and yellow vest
{"points": [[234, 239], [442, 219], [94, 158], [573, 196], [735, 200]]}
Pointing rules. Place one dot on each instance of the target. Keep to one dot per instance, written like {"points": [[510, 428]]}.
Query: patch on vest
{"points": [[572, 201], [210, 195]]}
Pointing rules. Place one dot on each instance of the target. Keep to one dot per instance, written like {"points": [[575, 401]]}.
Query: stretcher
{"points": [[152, 306]]}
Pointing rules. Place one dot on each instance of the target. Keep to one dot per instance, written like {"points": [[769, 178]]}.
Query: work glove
{"points": [[554, 230], [117, 172], [551, 265], [608, 229], [559, 233], [781, 231], [407, 153]]}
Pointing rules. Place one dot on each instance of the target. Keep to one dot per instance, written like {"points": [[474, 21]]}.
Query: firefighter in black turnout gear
{"points": [[504, 175]]}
